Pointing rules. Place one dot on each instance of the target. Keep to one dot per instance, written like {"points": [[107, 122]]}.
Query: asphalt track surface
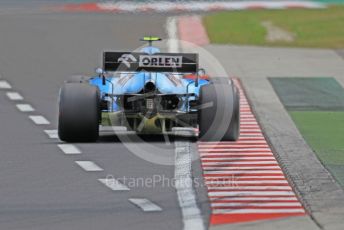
{"points": [[41, 186]]}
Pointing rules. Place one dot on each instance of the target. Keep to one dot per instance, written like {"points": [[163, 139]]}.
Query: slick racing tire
{"points": [[234, 127], [79, 113], [218, 115]]}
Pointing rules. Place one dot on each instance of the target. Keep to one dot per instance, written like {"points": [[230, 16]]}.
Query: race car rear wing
{"points": [[159, 62]]}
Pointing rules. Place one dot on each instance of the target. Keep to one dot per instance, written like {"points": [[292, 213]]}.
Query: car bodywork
{"points": [[149, 92], [149, 102]]}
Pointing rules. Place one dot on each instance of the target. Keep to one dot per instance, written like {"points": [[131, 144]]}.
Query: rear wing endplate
{"points": [[159, 62]]}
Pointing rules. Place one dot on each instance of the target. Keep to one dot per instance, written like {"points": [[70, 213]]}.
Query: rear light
{"points": [[150, 103]]}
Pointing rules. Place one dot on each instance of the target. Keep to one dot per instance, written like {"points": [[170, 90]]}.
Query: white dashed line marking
{"points": [[14, 96], [39, 120], [89, 166], [145, 204], [52, 133], [69, 149], [25, 108], [5, 85], [114, 184]]}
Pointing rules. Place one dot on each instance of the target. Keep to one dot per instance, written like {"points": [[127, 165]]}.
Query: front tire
{"points": [[219, 113], [79, 113]]}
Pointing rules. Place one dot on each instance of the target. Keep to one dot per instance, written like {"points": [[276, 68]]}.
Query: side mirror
{"points": [[99, 71], [201, 72]]}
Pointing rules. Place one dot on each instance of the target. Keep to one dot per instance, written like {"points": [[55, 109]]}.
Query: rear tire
{"points": [[79, 113], [219, 119], [234, 127]]}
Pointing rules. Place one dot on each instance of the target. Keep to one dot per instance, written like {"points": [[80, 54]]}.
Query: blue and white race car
{"points": [[148, 92]]}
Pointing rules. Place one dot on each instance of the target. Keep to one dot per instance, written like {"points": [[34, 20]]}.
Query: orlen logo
{"points": [[126, 59], [160, 61]]}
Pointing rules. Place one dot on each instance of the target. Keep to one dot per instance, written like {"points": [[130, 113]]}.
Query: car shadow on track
{"points": [[133, 138]]}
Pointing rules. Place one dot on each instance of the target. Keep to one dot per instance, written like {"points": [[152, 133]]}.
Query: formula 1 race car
{"points": [[148, 92]]}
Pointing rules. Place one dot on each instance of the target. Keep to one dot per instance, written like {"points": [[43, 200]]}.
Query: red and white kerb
{"points": [[244, 180]]}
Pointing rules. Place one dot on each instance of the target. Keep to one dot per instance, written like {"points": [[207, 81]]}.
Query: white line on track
{"points": [[25, 107], [145, 204], [239, 167], [172, 32], [253, 199], [192, 218], [248, 124], [240, 163], [235, 150], [251, 139], [252, 193], [69, 149], [252, 204], [5, 85], [39, 120], [245, 134], [238, 158], [247, 211], [114, 184], [231, 156], [248, 119], [242, 171], [250, 136], [234, 181], [210, 177], [248, 130], [234, 145], [249, 147], [236, 154], [52, 133], [249, 127], [14, 96], [89, 166], [242, 142], [233, 187]]}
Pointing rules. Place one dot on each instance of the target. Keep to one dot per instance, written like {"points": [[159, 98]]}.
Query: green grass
{"points": [[309, 93], [331, 1], [312, 27], [324, 133]]}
